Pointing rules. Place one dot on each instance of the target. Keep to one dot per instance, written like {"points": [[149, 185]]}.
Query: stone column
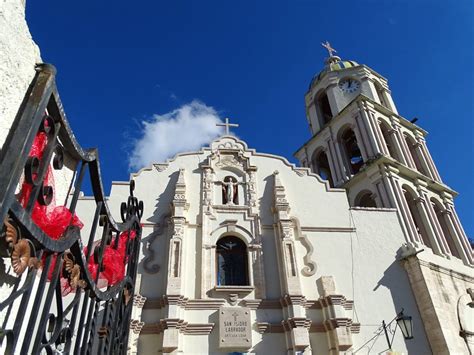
{"points": [[397, 141], [339, 171], [336, 321], [431, 163], [136, 324], [421, 156], [406, 148], [422, 210], [207, 186], [387, 94], [332, 166], [295, 321], [360, 140], [173, 312], [372, 131], [432, 220], [381, 197], [457, 233], [395, 193], [343, 168]]}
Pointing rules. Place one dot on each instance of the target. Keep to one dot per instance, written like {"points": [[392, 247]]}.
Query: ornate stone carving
{"points": [[310, 266], [207, 193], [233, 299], [252, 189], [232, 161]]}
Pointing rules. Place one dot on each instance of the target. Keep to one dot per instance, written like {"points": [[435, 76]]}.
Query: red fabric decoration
{"points": [[115, 259], [54, 220]]}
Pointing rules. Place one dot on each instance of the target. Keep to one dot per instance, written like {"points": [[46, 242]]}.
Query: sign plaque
{"points": [[235, 331]]}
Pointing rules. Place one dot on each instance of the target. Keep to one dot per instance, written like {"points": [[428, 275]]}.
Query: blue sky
{"points": [[120, 63]]}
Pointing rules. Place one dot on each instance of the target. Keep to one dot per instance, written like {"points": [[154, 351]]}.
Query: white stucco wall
{"points": [[18, 56]]}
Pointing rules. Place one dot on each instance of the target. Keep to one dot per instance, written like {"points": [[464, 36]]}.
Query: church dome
{"points": [[333, 65]]}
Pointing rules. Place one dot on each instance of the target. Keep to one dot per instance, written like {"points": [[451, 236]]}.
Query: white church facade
{"points": [[277, 243], [244, 252], [359, 250]]}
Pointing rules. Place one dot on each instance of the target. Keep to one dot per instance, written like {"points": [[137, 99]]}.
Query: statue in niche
{"points": [[230, 195]]}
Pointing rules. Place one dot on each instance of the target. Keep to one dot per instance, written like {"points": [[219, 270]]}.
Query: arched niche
{"points": [[237, 178]]}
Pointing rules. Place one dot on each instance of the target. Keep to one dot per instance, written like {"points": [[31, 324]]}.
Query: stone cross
{"points": [[331, 50], [235, 315], [227, 125]]}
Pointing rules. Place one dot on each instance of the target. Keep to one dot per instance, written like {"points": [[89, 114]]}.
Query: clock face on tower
{"points": [[349, 85]]}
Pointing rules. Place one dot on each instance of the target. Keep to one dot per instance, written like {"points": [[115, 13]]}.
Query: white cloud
{"points": [[185, 129]]}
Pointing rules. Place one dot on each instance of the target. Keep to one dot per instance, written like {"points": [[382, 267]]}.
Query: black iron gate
{"points": [[35, 269]]}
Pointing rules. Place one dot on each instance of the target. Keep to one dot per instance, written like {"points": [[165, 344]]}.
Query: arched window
{"points": [[321, 167], [232, 265], [414, 154], [381, 94], [352, 151], [323, 108], [365, 199], [415, 215], [444, 226], [388, 138]]}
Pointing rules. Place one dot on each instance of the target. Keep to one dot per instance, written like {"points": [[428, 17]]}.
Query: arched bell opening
{"points": [[351, 151], [320, 165]]}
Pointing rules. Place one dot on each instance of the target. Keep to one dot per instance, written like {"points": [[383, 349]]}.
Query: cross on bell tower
{"points": [[227, 125], [332, 57], [330, 50]]}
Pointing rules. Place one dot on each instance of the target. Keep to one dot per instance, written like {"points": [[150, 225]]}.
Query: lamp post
{"points": [[404, 323]]}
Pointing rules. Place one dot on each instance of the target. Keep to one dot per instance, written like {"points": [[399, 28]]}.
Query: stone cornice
{"points": [[438, 268], [317, 229], [253, 304], [393, 166], [183, 326]]}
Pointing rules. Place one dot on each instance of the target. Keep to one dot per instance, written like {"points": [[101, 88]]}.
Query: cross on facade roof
{"points": [[227, 125], [331, 50]]}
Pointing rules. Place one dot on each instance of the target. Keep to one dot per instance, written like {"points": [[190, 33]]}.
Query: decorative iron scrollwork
{"points": [[48, 266]]}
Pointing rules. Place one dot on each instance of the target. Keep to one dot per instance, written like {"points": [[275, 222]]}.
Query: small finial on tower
{"points": [[332, 58]]}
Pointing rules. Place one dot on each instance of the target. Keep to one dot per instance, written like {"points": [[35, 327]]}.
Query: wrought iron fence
{"points": [[36, 266]]}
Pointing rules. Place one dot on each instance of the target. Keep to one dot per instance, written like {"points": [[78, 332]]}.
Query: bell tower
{"points": [[359, 142]]}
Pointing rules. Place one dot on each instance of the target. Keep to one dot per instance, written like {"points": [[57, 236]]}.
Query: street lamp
{"points": [[406, 326], [404, 322]]}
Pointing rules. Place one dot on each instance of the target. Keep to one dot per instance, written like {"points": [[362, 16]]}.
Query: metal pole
{"points": [[386, 335]]}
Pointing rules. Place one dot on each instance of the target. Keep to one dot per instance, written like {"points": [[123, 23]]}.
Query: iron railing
{"points": [[35, 316]]}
